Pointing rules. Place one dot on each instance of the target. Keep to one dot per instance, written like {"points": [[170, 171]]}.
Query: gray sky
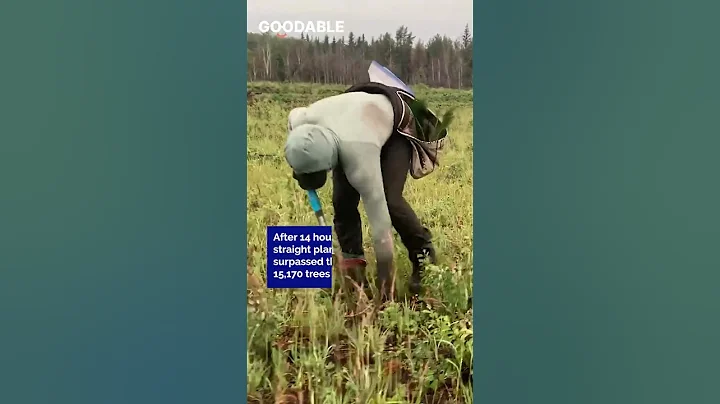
{"points": [[423, 18]]}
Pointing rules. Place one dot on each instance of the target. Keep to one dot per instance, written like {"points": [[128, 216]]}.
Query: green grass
{"points": [[339, 346]]}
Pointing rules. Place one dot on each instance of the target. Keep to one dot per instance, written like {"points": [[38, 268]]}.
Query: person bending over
{"points": [[355, 135]]}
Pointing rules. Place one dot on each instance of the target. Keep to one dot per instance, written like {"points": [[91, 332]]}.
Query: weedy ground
{"points": [[339, 346]]}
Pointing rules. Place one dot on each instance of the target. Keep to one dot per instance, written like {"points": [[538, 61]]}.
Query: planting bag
{"points": [[425, 154]]}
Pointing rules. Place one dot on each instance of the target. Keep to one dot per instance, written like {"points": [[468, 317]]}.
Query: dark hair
{"points": [[311, 181]]}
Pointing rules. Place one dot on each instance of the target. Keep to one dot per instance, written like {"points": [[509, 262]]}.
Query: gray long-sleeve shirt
{"points": [[348, 129]]}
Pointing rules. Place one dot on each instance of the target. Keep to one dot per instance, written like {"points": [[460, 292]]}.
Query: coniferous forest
{"points": [[442, 61]]}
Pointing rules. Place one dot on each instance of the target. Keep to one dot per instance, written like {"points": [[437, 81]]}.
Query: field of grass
{"points": [[338, 346]]}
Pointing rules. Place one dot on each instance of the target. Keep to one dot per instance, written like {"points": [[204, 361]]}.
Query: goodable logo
{"points": [[282, 28]]}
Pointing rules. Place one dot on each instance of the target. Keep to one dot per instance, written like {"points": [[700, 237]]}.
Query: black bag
{"points": [[426, 147]]}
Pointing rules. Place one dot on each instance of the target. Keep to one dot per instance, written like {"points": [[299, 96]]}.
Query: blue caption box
{"points": [[299, 257]]}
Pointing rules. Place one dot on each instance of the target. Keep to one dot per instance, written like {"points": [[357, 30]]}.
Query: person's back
{"points": [[354, 117]]}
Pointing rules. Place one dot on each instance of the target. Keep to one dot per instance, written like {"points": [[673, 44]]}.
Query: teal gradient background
{"points": [[597, 231], [123, 202]]}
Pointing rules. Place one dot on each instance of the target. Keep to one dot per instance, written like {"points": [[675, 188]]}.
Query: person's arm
{"points": [[363, 172]]}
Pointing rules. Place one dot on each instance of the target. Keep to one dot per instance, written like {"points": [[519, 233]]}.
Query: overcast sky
{"points": [[370, 17]]}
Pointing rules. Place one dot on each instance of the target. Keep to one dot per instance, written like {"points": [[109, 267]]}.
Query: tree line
{"points": [[441, 62]]}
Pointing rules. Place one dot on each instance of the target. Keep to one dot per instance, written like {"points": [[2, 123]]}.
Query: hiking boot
{"points": [[427, 255]]}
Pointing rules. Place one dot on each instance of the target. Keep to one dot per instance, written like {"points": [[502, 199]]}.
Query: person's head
{"points": [[311, 151]]}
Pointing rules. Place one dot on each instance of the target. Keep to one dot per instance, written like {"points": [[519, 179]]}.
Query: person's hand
{"points": [[311, 181], [385, 279]]}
